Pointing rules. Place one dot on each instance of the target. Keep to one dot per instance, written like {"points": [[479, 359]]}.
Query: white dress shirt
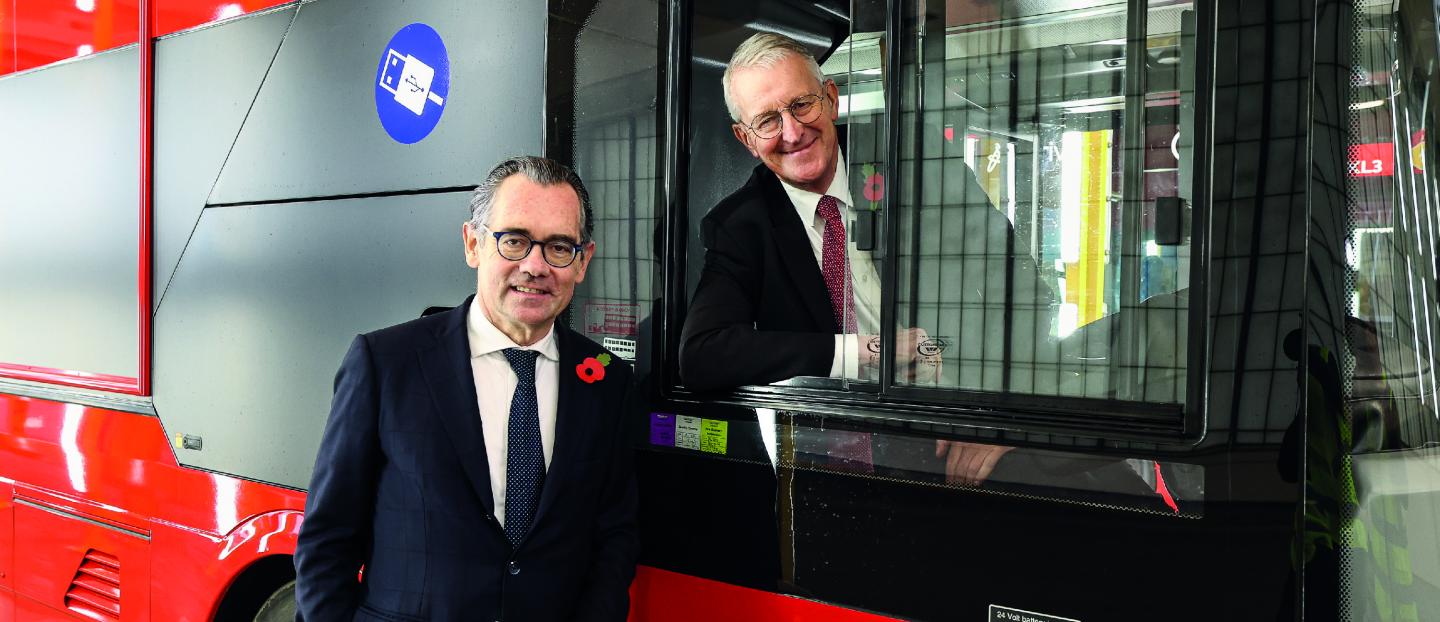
{"points": [[864, 279], [494, 386]]}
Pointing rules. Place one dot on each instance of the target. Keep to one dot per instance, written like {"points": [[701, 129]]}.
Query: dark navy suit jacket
{"points": [[401, 487]]}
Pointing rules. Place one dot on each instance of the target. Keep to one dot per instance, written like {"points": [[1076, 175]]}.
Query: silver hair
{"points": [[543, 171], [764, 50]]}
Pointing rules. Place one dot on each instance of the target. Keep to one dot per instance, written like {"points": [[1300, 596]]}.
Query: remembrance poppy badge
{"points": [[592, 369]]}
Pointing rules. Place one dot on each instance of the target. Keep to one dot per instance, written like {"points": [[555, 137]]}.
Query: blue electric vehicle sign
{"points": [[412, 83]]}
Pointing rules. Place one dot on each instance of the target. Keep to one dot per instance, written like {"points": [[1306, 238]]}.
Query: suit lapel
{"points": [[795, 251], [452, 385], [572, 411]]}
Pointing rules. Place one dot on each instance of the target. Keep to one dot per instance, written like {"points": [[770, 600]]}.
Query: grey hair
{"points": [[764, 50], [543, 171]]}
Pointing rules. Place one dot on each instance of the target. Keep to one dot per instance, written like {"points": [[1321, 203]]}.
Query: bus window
{"points": [[1025, 236], [759, 308], [615, 147], [69, 223], [1394, 303], [48, 32], [1375, 430], [1043, 181]]}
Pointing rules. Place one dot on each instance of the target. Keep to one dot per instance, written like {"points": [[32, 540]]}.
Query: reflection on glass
{"points": [[46, 32], [70, 445], [1043, 190], [615, 142], [809, 446], [36, 33], [1385, 430], [1394, 300]]}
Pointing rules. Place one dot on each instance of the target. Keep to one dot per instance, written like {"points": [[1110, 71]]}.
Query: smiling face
{"points": [[523, 298], [803, 154]]}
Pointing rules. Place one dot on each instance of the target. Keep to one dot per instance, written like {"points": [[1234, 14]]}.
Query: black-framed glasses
{"points": [[515, 246], [804, 109]]}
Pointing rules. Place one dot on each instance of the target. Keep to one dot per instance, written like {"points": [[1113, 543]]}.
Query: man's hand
{"points": [[968, 464], [910, 364]]}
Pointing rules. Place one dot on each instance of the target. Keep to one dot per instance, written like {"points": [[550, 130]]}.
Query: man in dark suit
{"points": [[782, 292], [473, 464]]}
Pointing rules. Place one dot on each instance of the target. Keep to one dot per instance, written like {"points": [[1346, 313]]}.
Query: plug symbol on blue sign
{"points": [[413, 74], [409, 78]]}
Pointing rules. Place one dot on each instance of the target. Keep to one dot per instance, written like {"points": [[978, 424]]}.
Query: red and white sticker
{"points": [[1372, 160], [612, 318]]}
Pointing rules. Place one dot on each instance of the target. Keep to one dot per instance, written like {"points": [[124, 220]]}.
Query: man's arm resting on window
{"points": [[720, 346]]}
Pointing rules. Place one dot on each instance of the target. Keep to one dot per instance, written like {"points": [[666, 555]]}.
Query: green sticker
{"points": [[713, 435]]}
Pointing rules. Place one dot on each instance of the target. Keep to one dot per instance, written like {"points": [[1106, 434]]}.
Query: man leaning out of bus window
{"points": [[765, 241], [472, 464]]}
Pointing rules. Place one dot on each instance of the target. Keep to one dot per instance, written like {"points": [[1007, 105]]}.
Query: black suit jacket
{"points": [[401, 487], [761, 312]]}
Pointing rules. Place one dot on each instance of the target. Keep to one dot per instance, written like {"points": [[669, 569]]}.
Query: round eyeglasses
{"points": [[804, 109], [515, 246]]}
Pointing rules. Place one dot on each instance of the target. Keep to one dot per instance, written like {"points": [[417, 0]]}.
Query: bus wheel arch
{"points": [[261, 588]]}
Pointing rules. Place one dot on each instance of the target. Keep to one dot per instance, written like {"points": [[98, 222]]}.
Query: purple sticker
{"points": [[662, 429]]}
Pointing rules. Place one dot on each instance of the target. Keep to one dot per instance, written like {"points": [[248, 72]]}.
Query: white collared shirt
{"points": [[864, 279], [494, 386]]}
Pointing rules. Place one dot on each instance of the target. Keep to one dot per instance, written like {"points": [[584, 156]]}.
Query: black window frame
{"points": [[884, 402]]}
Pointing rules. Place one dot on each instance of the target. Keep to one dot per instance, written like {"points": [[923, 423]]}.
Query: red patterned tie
{"points": [[848, 451], [835, 264]]}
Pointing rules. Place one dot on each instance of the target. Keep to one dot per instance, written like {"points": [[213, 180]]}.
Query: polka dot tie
{"points": [[835, 264], [525, 467]]}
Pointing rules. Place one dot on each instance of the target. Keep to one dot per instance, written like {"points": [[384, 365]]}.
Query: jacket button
{"points": [[514, 568]]}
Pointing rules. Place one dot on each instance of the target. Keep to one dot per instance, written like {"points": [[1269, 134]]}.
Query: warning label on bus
{"points": [[694, 433], [611, 318], [662, 429], [713, 435], [1007, 614], [687, 432]]}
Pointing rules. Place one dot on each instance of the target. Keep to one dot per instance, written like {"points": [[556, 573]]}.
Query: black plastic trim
{"points": [[889, 268], [1198, 385], [674, 143]]}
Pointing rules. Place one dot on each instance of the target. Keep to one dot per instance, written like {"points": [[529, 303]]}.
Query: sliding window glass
{"points": [[1043, 238], [1020, 205]]}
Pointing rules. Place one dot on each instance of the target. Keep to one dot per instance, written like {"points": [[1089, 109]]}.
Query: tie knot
{"points": [[829, 208], [523, 362]]}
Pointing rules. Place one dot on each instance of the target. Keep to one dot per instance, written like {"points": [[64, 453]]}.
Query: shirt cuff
{"points": [[846, 363]]}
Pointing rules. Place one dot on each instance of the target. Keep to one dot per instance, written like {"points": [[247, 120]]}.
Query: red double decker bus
{"points": [[1218, 404]]}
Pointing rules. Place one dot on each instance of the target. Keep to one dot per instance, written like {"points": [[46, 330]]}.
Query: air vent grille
{"points": [[95, 590]]}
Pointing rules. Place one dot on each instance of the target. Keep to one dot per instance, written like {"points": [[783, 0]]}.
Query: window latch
{"points": [[863, 230], [1169, 221]]}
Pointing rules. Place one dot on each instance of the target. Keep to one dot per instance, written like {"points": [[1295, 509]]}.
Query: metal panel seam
{"points": [[219, 172]]}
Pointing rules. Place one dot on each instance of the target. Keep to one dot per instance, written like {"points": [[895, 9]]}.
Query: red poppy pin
{"points": [[874, 185], [875, 188], [592, 369]]}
